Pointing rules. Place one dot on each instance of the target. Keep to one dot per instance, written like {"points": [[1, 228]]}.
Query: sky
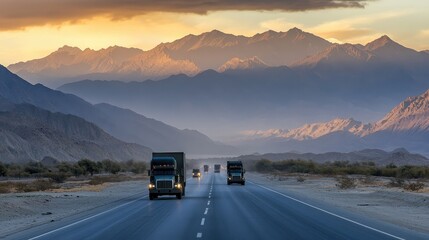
{"points": [[32, 29]]}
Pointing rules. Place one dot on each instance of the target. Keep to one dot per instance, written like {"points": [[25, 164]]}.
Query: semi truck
{"points": [[217, 168], [235, 172], [206, 168], [167, 174]]}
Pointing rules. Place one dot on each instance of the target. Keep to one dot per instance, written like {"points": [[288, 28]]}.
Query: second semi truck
{"points": [[235, 172]]}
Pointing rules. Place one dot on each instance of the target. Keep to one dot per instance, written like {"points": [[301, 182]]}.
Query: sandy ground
{"points": [[394, 205], [23, 210]]}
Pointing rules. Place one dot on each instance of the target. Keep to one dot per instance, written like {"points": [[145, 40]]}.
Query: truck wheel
{"points": [[183, 193], [150, 196], [243, 183], [228, 183], [179, 196]]}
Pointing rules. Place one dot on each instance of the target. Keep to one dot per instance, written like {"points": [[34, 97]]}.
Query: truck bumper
{"points": [[165, 191]]}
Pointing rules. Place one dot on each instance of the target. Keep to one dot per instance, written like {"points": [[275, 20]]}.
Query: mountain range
{"points": [[188, 55], [122, 124], [397, 157], [342, 80], [406, 125]]}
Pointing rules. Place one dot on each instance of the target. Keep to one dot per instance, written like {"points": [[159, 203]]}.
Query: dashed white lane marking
{"points": [[199, 235], [208, 203], [210, 197], [203, 221], [85, 219], [330, 213], [205, 212]]}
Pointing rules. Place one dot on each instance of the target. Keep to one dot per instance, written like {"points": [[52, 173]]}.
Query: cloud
{"points": [[19, 14], [355, 29]]}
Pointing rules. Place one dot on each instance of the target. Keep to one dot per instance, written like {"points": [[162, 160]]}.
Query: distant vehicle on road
{"points": [[196, 172], [217, 168], [167, 174], [206, 168], [235, 172]]}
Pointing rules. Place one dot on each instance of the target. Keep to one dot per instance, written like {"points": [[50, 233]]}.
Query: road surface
{"points": [[214, 210]]}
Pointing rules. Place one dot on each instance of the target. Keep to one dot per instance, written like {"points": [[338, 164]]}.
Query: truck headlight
{"points": [[199, 174], [178, 185], [151, 185]]}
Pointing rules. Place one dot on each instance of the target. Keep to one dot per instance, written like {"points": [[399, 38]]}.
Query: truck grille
{"points": [[236, 178], [164, 184]]}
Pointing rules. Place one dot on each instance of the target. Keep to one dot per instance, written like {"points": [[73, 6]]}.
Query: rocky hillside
{"points": [[29, 133]]}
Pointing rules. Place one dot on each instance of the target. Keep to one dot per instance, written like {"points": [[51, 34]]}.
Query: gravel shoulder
{"points": [[393, 205], [24, 210]]}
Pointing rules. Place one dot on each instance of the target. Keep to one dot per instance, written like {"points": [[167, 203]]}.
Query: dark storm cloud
{"points": [[18, 14]]}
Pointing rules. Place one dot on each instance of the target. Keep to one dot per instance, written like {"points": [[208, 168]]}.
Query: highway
{"points": [[213, 210]]}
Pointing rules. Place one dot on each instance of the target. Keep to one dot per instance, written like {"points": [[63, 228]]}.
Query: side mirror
{"points": [[148, 172]]}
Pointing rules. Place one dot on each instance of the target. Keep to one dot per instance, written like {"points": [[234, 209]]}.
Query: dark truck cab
{"points": [[235, 172], [167, 174], [206, 168]]}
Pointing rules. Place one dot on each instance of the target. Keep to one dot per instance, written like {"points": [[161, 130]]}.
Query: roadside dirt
{"points": [[23, 210], [374, 199]]}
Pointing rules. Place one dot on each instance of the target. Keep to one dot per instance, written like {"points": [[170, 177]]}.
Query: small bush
{"points": [[57, 177], [300, 179], [37, 185], [396, 182], [367, 180], [345, 182], [6, 187], [103, 179], [414, 186], [263, 166]]}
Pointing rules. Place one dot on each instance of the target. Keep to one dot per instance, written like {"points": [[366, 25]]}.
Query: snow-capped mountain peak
{"points": [[237, 63]]}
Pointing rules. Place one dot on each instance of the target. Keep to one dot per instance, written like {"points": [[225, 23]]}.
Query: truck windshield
{"points": [[163, 172]]}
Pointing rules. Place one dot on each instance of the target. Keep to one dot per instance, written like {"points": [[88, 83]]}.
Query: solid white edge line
{"points": [[330, 213], [203, 220], [85, 219]]}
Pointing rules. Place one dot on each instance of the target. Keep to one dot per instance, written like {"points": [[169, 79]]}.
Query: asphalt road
{"points": [[214, 210]]}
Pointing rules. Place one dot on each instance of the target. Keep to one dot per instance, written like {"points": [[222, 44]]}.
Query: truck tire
{"points": [[179, 196], [151, 196], [228, 183], [243, 183], [183, 193]]}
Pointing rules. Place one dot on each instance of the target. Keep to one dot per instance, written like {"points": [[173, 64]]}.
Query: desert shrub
{"points": [[37, 185], [110, 166], [33, 168], [294, 166], [414, 186], [103, 179], [6, 187], [300, 179], [3, 170], [396, 182], [88, 166], [263, 165], [345, 182], [367, 179], [57, 177]]}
